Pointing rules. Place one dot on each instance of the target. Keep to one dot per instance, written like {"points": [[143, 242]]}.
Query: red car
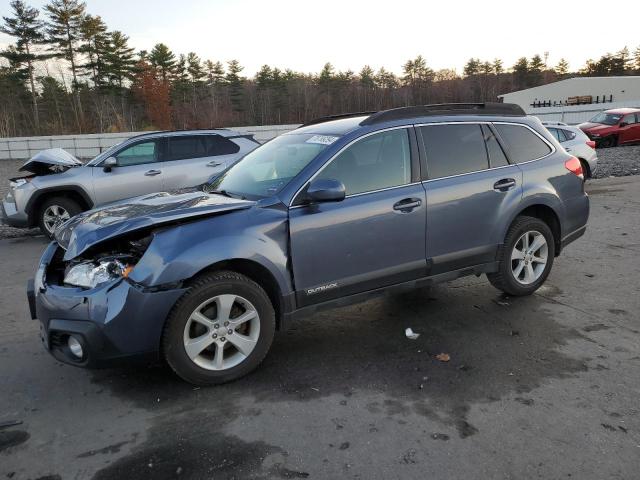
{"points": [[614, 127]]}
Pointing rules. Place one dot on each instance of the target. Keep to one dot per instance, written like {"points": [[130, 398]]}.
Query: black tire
{"points": [[585, 169], [607, 142], [70, 206], [504, 279], [206, 287]]}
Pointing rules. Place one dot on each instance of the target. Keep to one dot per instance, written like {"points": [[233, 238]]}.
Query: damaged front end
{"points": [[47, 162], [91, 313], [106, 262]]}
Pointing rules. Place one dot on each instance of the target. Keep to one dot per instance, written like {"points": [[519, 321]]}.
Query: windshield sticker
{"points": [[322, 139]]}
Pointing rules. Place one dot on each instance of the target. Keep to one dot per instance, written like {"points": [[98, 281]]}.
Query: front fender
{"points": [[179, 252]]}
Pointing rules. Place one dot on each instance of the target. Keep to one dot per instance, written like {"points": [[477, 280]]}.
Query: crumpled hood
{"points": [[56, 158], [95, 226]]}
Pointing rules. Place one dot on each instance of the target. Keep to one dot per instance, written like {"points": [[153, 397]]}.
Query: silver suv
{"points": [[576, 142], [59, 186]]}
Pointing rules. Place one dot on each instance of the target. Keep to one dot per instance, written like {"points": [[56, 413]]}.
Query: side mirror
{"points": [[325, 190], [109, 163], [623, 124]]}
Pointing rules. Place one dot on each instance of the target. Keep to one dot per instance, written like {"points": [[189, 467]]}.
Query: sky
{"points": [[304, 35]]}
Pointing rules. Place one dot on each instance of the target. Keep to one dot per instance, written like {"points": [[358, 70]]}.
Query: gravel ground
{"points": [[618, 162], [612, 162]]}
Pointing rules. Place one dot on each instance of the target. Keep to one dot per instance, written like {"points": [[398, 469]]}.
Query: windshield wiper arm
{"points": [[227, 194]]}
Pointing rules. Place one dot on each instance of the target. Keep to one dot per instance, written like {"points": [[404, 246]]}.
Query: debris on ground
{"points": [[411, 335], [443, 357], [501, 303]]}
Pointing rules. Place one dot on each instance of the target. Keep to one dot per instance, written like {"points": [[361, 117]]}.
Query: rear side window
{"points": [[497, 158], [378, 161], [559, 134], [522, 143], [454, 149], [217, 145], [184, 147], [568, 135]]}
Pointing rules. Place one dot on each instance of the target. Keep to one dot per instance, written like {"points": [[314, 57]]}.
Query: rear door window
{"points": [[185, 147], [454, 149], [522, 143], [217, 145], [497, 158]]}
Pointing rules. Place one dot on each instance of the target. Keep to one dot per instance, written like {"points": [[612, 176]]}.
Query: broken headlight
{"points": [[90, 274]]}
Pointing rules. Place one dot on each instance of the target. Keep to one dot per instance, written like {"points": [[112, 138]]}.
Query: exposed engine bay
{"points": [[107, 261]]}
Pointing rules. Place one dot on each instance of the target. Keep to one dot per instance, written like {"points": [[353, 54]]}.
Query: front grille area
{"points": [[57, 339]]}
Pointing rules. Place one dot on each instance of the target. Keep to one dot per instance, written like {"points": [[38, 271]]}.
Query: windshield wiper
{"points": [[227, 194]]}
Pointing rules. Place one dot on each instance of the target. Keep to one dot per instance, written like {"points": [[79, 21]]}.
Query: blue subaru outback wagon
{"points": [[332, 213]]}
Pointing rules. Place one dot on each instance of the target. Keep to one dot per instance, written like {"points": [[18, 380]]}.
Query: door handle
{"points": [[152, 173], [213, 164], [407, 205], [504, 184]]}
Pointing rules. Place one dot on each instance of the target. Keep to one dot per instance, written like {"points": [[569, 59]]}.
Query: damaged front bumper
{"points": [[115, 321]]}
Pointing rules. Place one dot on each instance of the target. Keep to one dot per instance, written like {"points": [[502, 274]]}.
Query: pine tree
{"points": [[236, 85], [64, 30], [120, 62], [636, 59], [472, 67], [28, 31], [163, 60], [215, 73], [498, 68], [521, 72], [264, 77], [366, 77], [562, 68], [386, 79], [94, 44], [194, 68]]}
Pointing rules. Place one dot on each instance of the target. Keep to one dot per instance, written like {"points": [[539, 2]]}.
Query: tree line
{"points": [[67, 72]]}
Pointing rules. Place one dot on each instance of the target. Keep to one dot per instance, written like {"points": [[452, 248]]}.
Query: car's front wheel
{"points": [[525, 258], [55, 211], [220, 330]]}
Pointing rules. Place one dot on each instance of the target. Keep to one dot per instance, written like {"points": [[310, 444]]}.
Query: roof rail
{"points": [[339, 116], [488, 108]]}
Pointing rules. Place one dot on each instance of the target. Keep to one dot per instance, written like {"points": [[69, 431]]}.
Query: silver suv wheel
{"points": [[53, 216], [221, 332], [529, 257]]}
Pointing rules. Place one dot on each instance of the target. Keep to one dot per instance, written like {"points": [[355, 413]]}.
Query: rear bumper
{"points": [[114, 322], [573, 236]]}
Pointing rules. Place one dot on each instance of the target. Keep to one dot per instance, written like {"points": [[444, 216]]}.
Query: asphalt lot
{"points": [[541, 387]]}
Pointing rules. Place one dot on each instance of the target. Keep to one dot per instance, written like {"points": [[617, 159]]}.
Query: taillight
{"points": [[591, 143], [575, 167]]}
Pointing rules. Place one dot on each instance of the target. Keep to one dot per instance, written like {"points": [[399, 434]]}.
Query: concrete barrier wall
{"points": [[89, 145]]}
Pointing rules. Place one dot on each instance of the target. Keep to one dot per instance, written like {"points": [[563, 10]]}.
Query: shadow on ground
{"points": [[498, 346]]}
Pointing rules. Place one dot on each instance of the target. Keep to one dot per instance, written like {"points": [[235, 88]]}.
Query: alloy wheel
{"points": [[53, 216], [529, 257], [221, 332]]}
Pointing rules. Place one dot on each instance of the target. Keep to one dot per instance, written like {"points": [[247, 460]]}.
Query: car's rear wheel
{"points": [[220, 330], [55, 211], [526, 257]]}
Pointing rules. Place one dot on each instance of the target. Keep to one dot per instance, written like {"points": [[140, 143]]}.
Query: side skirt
{"points": [[398, 287]]}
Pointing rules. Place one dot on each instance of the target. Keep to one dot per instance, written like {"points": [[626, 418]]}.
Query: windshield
{"points": [[266, 170], [606, 118]]}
